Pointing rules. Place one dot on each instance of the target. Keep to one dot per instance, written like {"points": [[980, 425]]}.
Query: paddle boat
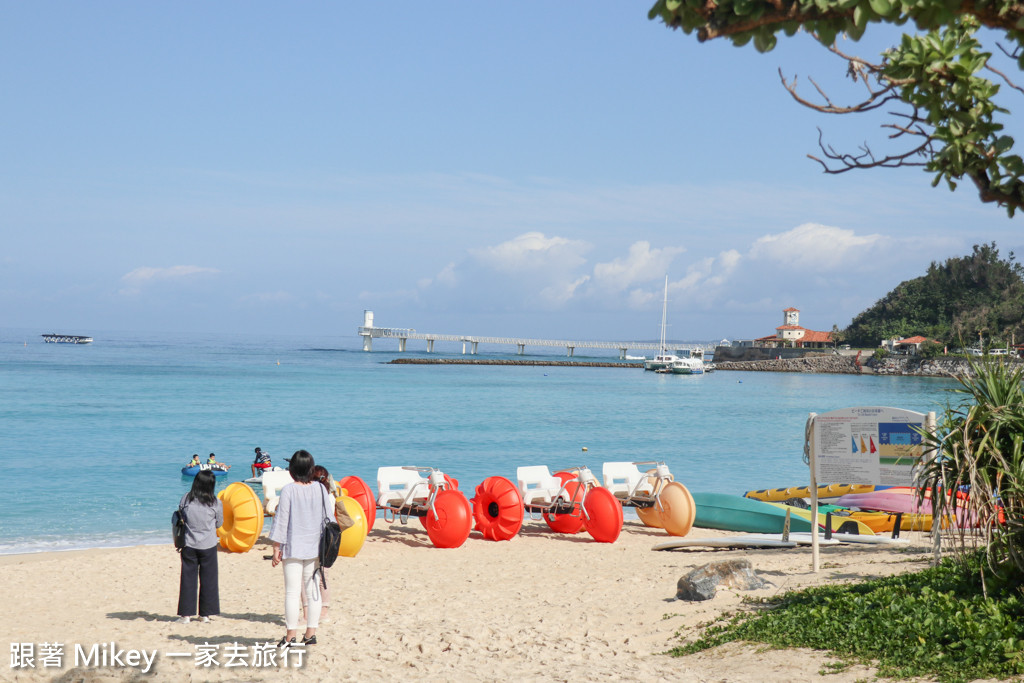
{"points": [[568, 501], [444, 511], [660, 501]]}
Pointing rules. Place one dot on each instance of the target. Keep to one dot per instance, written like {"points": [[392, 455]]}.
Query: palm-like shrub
{"points": [[979, 448]]}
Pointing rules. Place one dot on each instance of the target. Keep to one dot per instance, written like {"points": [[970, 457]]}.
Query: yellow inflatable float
{"points": [[243, 518], [353, 537]]}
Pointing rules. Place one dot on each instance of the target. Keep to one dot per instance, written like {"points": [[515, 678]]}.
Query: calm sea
{"points": [[94, 436]]}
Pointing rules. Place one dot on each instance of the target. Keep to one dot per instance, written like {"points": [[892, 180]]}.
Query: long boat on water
{"points": [[66, 339]]}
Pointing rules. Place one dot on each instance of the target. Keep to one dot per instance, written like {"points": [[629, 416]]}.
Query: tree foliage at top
{"points": [[957, 300], [945, 118]]}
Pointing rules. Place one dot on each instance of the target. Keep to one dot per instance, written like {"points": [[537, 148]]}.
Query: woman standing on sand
{"points": [[203, 514], [296, 535]]}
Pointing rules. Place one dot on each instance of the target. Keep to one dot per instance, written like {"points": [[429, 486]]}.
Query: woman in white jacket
{"points": [[303, 506]]}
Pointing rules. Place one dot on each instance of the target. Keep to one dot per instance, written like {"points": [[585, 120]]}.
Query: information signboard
{"points": [[867, 445]]}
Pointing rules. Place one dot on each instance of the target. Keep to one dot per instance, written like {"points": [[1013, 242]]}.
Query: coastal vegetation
{"points": [[938, 624], [975, 297], [958, 621]]}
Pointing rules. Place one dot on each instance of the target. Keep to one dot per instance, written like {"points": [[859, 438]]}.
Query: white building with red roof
{"points": [[790, 333]]}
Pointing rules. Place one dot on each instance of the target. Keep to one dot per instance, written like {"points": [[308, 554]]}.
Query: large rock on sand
{"points": [[703, 582]]}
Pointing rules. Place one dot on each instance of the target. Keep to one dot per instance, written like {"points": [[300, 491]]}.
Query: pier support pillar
{"points": [[570, 350], [463, 348], [367, 343], [622, 354], [474, 347], [522, 349], [430, 346], [401, 344]]}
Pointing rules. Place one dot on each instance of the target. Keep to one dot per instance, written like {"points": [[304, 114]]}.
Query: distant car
{"points": [[997, 352]]}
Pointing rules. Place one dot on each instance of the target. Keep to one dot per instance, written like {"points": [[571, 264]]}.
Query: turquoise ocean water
{"points": [[94, 436]]}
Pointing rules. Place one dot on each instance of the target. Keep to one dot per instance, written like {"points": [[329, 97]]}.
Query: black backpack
{"points": [[178, 528], [330, 544]]}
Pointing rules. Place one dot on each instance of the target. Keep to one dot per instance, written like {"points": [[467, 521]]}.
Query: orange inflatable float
{"points": [[243, 518]]}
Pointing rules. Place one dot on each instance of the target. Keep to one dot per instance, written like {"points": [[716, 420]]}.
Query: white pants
{"points": [[299, 579]]}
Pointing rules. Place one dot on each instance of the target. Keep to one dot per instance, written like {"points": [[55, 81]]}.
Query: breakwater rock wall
{"points": [[498, 361], [836, 365], [845, 365], [911, 365]]}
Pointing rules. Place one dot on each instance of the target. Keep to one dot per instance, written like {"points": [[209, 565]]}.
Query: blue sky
{"points": [[527, 169]]}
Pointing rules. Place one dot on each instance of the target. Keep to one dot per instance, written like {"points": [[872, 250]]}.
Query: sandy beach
{"points": [[543, 607]]}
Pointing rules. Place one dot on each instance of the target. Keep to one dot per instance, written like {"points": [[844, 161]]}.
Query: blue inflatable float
{"points": [[195, 469]]}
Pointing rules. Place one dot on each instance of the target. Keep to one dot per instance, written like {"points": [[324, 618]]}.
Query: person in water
{"points": [[194, 462], [212, 462], [203, 513], [261, 463]]}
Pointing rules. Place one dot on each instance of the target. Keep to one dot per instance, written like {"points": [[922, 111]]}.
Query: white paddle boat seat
{"points": [[537, 485], [625, 480], [400, 487], [273, 482]]}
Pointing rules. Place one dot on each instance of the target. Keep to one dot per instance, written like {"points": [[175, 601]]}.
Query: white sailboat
{"points": [[664, 360]]}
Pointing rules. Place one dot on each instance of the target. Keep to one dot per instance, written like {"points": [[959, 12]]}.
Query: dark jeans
{"points": [[198, 571]]}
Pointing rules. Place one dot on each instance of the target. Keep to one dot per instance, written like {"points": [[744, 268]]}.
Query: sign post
{"points": [[865, 445]]}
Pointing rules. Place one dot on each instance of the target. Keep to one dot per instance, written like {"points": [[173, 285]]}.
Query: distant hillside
{"points": [[954, 301]]}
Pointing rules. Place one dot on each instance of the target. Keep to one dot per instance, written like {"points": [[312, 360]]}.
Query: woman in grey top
{"points": [[203, 513], [303, 506]]}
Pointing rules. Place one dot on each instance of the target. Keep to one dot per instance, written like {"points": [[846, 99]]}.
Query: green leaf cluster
{"points": [[937, 623], [936, 73], [979, 448], [952, 303]]}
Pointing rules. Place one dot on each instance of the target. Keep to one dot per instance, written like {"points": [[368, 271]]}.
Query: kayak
{"points": [[737, 513], [196, 469]]}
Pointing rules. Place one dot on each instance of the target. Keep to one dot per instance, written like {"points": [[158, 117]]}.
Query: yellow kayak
{"points": [[883, 522], [824, 491], [837, 521]]}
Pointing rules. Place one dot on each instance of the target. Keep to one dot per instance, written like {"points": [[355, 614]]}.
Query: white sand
{"points": [[544, 607]]}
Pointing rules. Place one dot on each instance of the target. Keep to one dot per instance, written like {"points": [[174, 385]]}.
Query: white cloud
{"points": [[140, 277], [533, 251], [560, 293], [146, 274], [815, 247], [642, 264]]}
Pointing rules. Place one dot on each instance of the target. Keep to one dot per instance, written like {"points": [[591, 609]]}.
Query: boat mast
{"points": [[664, 314]]}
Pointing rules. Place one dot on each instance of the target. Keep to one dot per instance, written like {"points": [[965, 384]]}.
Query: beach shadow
{"points": [[412, 537], [145, 616], [250, 616], [546, 532]]}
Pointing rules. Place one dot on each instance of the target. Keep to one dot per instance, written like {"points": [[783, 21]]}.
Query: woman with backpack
{"points": [[303, 506], [203, 514]]}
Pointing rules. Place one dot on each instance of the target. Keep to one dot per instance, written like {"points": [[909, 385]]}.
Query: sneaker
{"points": [[183, 620], [286, 642], [205, 620], [309, 641]]}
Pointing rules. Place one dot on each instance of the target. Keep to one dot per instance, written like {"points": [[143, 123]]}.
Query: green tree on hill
{"points": [[956, 300]]}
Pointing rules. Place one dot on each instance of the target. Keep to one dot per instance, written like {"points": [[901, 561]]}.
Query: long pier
{"points": [[472, 342]]}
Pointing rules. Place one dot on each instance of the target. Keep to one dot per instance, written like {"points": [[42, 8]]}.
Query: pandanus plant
{"points": [[976, 476]]}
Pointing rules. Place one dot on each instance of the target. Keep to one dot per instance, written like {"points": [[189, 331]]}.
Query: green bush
{"points": [[937, 623]]}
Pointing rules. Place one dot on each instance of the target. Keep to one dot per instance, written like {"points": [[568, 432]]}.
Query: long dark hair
{"points": [[202, 488], [320, 474], [301, 466]]}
